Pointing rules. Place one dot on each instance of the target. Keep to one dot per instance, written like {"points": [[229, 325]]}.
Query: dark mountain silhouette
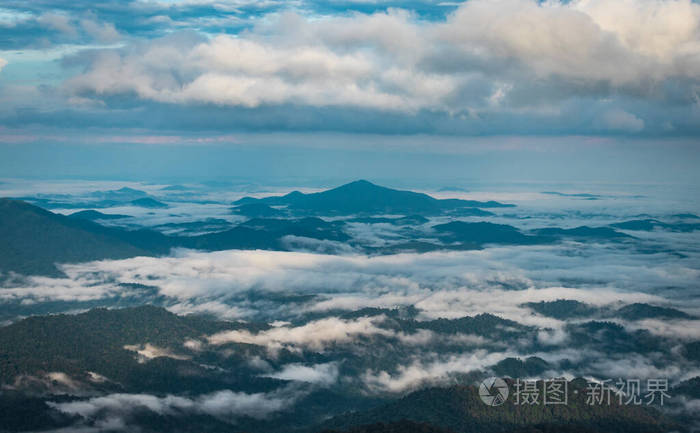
{"points": [[640, 311], [582, 232], [121, 194], [260, 233], [517, 368], [569, 309], [411, 220], [478, 233], [690, 216], [148, 202], [652, 224], [257, 210], [32, 240], [563, 309], [690, 387], [92, 215], [94, 200], [363, 197]]}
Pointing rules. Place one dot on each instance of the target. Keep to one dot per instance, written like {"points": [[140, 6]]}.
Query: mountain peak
{"points": [[364, 197], [358, 184], [361, 182]]}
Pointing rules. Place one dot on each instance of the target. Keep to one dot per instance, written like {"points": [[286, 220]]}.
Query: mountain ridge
{"points": [[362, 197]]}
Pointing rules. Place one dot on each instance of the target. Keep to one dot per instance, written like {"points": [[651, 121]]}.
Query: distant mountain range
{"points": [[34, 240], [97, 200], [362, 198], [565, 309], [652, 224], [93, 215]]}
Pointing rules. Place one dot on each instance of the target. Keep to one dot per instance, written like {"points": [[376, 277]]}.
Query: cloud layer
{"points": [[482, 66], [506, 55]]}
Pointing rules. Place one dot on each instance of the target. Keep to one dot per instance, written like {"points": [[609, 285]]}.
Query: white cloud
{"points": [[674, 329], [225, 404], [100, 31], [148, 351], [3, 63], [314, 335], [441, 284], [482, 56], [552, 337], [321, 374], [421, 372]]}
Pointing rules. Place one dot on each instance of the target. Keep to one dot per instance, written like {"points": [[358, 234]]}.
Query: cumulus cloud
{"points": [[100, 31], [485, 54], [3, 63]]}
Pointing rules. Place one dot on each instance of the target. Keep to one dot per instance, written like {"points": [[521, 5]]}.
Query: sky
{"points": [[579, 90]]}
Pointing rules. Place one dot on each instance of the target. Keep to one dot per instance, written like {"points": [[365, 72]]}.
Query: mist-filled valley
{"points": [[252, 308]]}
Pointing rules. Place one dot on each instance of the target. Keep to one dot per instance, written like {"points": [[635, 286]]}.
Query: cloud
{"points": [[550, 337], [419, 373], [243, 284], [224, 404], [620, 120], [474, 68], [321, 374], [321, 246], [314, 335], [3, 63], [673, 329], [329, 332], [102, 32], [59, 22], [485, 56], [640, 366], [148, 351]]}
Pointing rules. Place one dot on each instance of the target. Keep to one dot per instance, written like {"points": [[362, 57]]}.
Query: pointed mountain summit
{"points": [[364, 197]]}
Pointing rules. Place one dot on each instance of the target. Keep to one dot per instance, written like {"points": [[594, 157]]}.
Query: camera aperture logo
{"points": [[493, 391]]}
